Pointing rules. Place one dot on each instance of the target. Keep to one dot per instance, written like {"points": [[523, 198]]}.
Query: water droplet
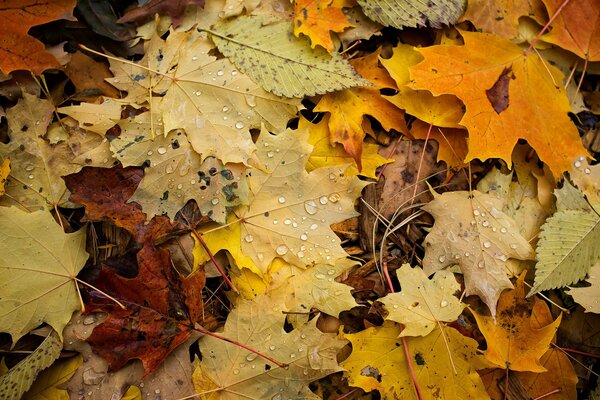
{"points": [[180, 186], [194, 58], [442, 258], [293, 355], [334, 197], [30, 176], [485, 223], [487, 244], [305, 372], [503, 230], [275, 222], [473, 222], [239, 124], [225, 109], [587, 171], [161, 150], [310, 207], [467, 254], [577, 164], [29, 168], [513, 246], [169, 168], [214, 201], [236, 371], [281, 200], [331, 272], [248, 238], [319, 276], [272, 347], [287, 221], [281, 250], [443, 303], [396, 306], [157, 391], [295, 224], [198, 93], [220, 73], [276, 397], [457, 256], [304, 236], [481, 264], [300, 254], [234, 73], [495, 213], [251, 357], [150, 152], [251, 101], [476, 212], [270, 154], [323, 200]]}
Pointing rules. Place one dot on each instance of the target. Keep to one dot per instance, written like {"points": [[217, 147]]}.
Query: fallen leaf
{"points": [[444, 363], [281, 63], [589, 296], [401, 14], [452, 143], [20, 377], [173, 8], [368, 67], [469, 71], [325, 154], [513, 340], [317, 18], [347, 110], [501, 17], [48, 383], [89, 76], [422, 303], [576, 28], [18, 50], [160, 310], [290, 211], [101, 17], [38, 268], [566, 255], [231, 371], [472, 231]]}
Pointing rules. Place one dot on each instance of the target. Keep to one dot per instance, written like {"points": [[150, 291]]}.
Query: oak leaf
{"points": [[317, 18], [576, 28], [423, 303], [494, 78], [444, 362], [230, 371], [38, 268], [514, 341], [19, 50], [472, 231]]}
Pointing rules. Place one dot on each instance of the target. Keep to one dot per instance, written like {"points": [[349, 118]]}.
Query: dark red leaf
{"points": [[174, 8]]}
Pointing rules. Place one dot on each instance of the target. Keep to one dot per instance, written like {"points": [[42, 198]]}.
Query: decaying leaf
{"points": [[38, 266], [513, 340], [442, 366], [423, 303], [472, 231], [174, 8], [283, 64], [20, 377]]}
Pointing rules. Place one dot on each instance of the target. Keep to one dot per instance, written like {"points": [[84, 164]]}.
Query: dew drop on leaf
{"points": [[281, 250], [487, 244], [443, 303], [225, 109], [281, 200], [323, 200], [248, 238], [304, 236], [214, 201], [442, 258], [334, 197], [310, 207], [239, 124], [251, 357], [250, 100]]}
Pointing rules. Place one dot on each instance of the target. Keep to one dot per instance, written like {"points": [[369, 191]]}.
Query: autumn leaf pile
{"points": [[316, 199]]}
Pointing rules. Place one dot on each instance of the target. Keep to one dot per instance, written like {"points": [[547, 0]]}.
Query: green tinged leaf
{"points": [[568, 245], [20, 378], [413, 13], [38, 264], [268, 52]]}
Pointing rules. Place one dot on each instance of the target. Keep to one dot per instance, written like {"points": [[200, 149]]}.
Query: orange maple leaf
{"points": [[316, 18], [19, 50], [508, 96], [515, 339], [501, 17], [348, 109], [577, 27]]}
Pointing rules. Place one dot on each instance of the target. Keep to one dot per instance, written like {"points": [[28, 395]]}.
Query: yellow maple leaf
{"points": [[349, 107], [514, 341], [325, 154], [508, 96], [317, 18], [4, 172]]}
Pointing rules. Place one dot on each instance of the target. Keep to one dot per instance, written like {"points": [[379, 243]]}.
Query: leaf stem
{"points": [[212, 258], [100, 291], [545, 28], [200, 329]]}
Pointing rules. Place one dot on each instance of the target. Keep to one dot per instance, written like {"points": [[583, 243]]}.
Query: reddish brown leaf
{"points": [[88, 77], [174, 8], [19, 50], [161, 309], [105, 191]]}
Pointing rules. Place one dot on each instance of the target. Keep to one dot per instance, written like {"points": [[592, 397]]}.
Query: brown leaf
{"points": [[88, 77], [174, 8]]}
